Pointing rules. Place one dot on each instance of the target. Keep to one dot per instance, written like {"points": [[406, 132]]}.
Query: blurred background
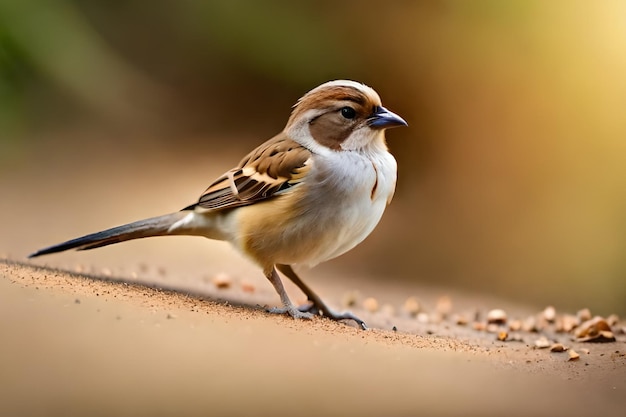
{"points": [[512, 173]]}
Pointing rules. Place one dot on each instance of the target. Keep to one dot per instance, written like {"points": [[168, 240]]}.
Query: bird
{"points": [[307, 195]]}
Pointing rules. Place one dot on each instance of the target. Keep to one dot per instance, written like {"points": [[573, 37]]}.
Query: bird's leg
{"points": [[318, 306], [288, 307]]}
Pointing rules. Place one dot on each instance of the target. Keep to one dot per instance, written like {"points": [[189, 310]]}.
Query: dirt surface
{"points": [[76, 344]]}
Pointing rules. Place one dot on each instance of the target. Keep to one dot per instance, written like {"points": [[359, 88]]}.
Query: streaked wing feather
{"points": [[275, 166]]}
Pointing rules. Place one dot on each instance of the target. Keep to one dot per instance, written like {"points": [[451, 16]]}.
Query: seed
{"points": [[573, 356], [542, 343], [557, 347], [412, 306], [496, 316], [247, 286], [592, 327], [549, 313], [222, 281]]}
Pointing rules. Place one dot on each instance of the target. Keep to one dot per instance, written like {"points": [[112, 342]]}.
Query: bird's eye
{"points": [[348, 112]]}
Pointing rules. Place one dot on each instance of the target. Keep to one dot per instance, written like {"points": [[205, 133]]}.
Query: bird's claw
{"points": [[292, 311], [313, 309]]}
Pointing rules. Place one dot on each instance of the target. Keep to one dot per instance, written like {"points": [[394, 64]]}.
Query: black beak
{"points": [[384, 119]]}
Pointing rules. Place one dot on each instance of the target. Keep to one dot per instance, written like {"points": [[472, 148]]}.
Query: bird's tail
{"points": [[155, 226]]}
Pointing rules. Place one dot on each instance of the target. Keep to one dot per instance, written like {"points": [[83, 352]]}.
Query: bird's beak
{"points": [[384, 119]]}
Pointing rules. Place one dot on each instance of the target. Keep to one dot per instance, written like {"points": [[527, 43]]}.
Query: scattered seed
{"points": [[461, 320], [503, 335], [496, 316], [222, 281], [542, 343], [604, 336], [557, 347], [370, 304], [592, 327], [412, 306], [549, 314], [585, 351], [247, 286], [573, 356], [423, 318]]}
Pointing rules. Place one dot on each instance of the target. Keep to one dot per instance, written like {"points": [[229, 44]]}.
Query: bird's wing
{"points": [[277, 165]]}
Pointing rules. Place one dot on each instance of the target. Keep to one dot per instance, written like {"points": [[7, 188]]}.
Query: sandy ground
{"points": [[80, 345], [137, 330]]}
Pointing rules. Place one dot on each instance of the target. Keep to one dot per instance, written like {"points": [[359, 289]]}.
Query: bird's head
{"points": [[340, 115]]}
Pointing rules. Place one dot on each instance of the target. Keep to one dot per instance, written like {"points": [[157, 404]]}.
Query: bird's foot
{"points": [[324, 311], [292, 311]]}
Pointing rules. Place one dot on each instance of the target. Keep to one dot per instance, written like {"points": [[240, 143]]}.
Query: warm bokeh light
{"points": [[513, 170]]}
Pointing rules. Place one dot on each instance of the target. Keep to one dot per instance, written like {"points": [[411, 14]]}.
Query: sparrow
{"points": [[307, 195]]}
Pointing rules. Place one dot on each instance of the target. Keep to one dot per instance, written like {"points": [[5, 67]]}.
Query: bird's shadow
{"points": [[166, 289]]}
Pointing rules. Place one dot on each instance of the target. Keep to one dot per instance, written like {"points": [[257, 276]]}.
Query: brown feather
{"points": [[363, 103], [278, 164], [330, 128]]}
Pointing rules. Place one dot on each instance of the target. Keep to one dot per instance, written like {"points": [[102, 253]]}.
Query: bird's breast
{"points": [[335, 208]]}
